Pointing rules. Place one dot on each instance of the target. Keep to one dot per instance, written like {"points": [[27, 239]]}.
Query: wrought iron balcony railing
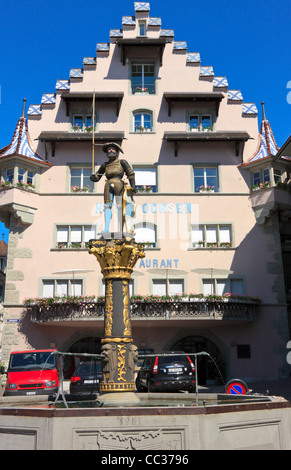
{"points": [[199, 310]]}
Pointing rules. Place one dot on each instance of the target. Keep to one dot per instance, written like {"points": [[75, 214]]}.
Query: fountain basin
{"points": [[161, 422]]}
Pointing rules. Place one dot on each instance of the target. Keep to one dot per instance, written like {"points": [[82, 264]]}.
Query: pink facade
{"points": [[180, 127]]}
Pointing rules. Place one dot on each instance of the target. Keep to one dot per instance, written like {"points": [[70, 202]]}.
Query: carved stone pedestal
{"points": [[117, 258]]}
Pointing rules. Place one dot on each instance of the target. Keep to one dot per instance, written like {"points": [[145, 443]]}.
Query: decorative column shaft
{"points": [[117, 259]]}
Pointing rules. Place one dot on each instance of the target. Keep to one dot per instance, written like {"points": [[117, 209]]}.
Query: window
{"points": [[222, 286], [142, 28], [142, 122], [205, 179], [278, 177], [62, 287], [206, 122], [78, 123], [68, 236], [22, 178], [21, 173], [10, 174], [146, 233], [200, 122], [142, 78], [29, 177], [261, 177], [80, 180], [82, 122], [194, 122], [211, 236], [168, 286], [146, 179]]}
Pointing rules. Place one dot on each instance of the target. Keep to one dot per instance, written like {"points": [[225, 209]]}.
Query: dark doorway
{"points": [[207, 370], [88, 345]]}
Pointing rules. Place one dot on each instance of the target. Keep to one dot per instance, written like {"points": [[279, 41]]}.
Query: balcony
{"points": [[162, 310], [267, 200]]}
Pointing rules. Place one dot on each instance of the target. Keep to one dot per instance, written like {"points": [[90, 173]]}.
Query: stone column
{"points": [[117, 259]]}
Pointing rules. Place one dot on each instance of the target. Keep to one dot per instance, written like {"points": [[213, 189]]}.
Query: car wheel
{"points": [[139, 386]]}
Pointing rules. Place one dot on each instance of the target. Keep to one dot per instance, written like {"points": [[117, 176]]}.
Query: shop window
{"points": [[142, 78], [145, 179], [205, 179], [80, 180]]}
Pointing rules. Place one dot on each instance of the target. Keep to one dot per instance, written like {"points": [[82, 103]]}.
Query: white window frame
{"points": [[143, 86], [82, 176], [213, 285], [167, 284], [205, 176], [148, 234], [212, 236], [143, 123], [64, 235], [146, 178], [73, 287]]}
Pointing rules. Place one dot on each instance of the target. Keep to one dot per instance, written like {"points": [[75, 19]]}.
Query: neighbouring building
{"points": [[212, 208]]}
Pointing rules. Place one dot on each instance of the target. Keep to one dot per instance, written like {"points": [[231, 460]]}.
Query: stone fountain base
{"points": [[151, 427]]}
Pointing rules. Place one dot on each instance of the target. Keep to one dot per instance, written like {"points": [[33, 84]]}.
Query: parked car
{"points": [[86, 378], [33, 372], [172, 372]]}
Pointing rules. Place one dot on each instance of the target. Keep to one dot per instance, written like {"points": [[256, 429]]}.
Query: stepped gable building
{"points": [[212, 208]]}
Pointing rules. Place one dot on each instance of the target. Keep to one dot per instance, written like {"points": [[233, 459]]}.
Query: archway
{"points": [[88, 345], [207, 371]]}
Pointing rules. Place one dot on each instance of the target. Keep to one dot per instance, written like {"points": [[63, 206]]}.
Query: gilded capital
{"points": [[117, 258]]}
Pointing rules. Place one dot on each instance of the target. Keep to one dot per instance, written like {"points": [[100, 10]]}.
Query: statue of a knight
{"points": [[115, 189]]}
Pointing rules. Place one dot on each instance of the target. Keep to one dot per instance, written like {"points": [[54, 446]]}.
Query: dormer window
{"points": [[142, 31]]}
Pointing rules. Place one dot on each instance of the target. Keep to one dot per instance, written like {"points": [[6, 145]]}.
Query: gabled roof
{"points": [[285, 151], [267, 147], [21, 143]]}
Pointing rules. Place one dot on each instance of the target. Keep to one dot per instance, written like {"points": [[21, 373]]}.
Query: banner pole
{"points": [[93, 130]]}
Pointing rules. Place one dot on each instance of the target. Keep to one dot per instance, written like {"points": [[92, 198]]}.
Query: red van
{"points": [[33, 372]]}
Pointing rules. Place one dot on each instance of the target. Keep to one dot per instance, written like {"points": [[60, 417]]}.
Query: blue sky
{"points": [[248, 42]]}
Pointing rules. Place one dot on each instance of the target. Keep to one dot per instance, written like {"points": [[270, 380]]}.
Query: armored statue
{"points": [[115, 189]]}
